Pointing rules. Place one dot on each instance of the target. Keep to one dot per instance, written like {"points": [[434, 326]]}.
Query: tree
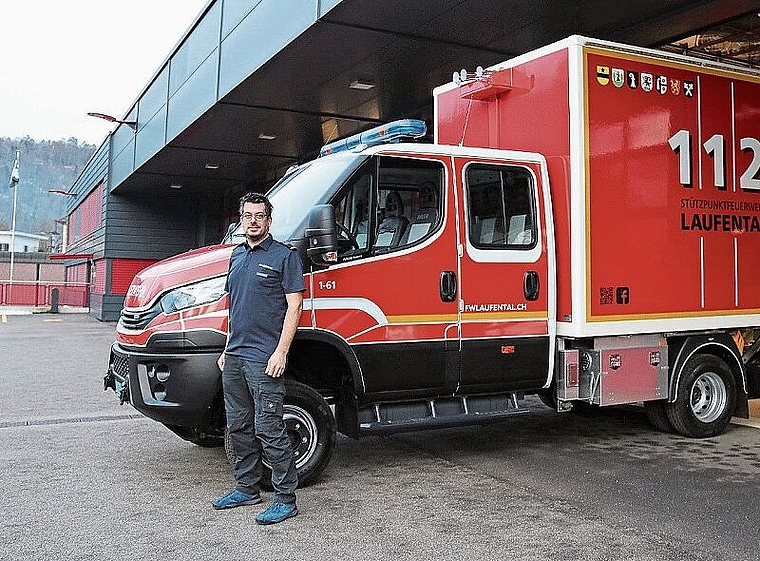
{"points": [[45, 165]]}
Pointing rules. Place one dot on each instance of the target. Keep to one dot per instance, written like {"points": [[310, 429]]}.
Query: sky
{"points": [[60, 59]]}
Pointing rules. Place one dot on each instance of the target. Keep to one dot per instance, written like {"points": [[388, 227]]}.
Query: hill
{"points": [[47, 164]]}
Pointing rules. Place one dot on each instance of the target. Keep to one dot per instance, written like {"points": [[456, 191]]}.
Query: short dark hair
{"points": [[256, 198]]}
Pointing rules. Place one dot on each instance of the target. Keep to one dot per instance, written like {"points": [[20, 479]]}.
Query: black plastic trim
{"points": [[192, 389], [187, 340], [343, 347]]}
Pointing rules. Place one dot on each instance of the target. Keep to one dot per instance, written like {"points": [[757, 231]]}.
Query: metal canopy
{"points": [[400, 50]]}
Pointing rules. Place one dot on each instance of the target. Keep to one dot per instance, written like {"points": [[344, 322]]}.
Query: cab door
{"points": [[393, 295], [507, 280]]}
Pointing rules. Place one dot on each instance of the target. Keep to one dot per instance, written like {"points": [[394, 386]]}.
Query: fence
{"points": [[29, 293]]}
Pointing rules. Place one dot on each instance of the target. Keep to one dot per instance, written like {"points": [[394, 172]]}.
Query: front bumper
{"points": [[182, 389]]}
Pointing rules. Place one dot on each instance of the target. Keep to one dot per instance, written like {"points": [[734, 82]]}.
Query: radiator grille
{"points": [[136, 320]]}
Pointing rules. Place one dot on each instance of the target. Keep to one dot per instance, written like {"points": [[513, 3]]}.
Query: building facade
{"points": [[23, 242]]}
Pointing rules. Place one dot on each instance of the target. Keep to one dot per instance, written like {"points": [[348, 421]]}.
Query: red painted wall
{"points": [[123, 271]]}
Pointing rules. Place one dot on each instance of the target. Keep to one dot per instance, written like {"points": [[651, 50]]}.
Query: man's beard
{"points": [[255, 238]]}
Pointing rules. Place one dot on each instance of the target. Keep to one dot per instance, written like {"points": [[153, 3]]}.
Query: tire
{"points": [[706, 398], [310, 424], [198, 438], [548, 398], [585, 409], [753, 380], [657, 415]]}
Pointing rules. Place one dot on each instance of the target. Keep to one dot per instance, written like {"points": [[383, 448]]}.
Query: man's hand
{"points": [[276, 364], [220, 362]]}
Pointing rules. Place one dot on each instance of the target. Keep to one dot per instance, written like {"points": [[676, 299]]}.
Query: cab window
{"points": [[500, 207], [352, 214], [391, 204]]}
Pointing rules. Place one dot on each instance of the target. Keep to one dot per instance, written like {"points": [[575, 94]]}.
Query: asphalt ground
{"points": [[83, 478]]}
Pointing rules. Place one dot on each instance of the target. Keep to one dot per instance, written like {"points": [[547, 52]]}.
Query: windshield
{"points": [[297, 192]]}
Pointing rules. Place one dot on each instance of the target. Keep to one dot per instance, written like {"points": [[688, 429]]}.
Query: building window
{"points": [[5, 247]]}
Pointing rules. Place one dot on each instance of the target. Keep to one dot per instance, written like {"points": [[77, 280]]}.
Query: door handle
{"points": [[531, 285], [448, 286]]}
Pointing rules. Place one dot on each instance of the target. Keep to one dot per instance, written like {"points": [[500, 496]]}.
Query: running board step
{"points": [[437, 413]]}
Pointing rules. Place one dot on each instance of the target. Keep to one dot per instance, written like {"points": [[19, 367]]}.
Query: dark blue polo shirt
{"points": [[258, 280]]}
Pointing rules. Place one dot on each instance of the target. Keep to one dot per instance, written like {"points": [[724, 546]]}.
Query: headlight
{"points": [[194, 294]]}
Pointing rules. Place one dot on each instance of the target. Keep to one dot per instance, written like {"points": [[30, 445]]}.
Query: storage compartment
{"points": [[621, 370]]}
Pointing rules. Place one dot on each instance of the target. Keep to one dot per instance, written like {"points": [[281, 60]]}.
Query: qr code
{"points": [[606, 295]]}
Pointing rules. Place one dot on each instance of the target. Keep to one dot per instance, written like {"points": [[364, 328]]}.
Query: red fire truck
{"points": [[585, 227]]}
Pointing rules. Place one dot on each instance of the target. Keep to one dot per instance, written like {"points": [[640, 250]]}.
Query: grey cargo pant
{"points": [[254, 403]]}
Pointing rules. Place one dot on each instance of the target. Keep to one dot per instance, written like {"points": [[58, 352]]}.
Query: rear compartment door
{"points": [[507, 281]]}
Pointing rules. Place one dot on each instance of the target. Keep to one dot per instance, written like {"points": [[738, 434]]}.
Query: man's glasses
{"points": [[258, 217]]}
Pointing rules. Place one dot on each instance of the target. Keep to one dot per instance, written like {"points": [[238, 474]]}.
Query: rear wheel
{"points": [[310, 425], [706, 398], [657, 414], [585, 409], [548, 397]]}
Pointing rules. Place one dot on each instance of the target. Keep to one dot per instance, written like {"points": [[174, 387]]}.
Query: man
{"points": [[265, 284]]}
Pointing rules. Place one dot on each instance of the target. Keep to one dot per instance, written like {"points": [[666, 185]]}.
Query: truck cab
{"points": [[442, 282]]}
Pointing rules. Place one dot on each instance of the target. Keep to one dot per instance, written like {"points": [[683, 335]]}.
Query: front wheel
{"points": [[706, 398], [310, 425], [199, 438]]}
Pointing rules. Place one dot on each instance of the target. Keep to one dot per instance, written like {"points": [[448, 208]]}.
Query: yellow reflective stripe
{"points": [[671, 315], [424, 318], [470, 316]]}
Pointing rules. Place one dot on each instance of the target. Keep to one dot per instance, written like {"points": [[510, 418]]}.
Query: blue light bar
{"points": [[384, 134]]}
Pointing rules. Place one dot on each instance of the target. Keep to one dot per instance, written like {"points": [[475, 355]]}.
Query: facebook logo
{"points": [[622, 295]]}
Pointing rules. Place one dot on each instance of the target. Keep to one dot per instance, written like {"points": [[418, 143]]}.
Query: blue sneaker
{"points": [[276, 512], [235, 498]]}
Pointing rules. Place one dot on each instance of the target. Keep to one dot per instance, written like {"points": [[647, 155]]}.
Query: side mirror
{"points": [[228, 237], [321, 236]]}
